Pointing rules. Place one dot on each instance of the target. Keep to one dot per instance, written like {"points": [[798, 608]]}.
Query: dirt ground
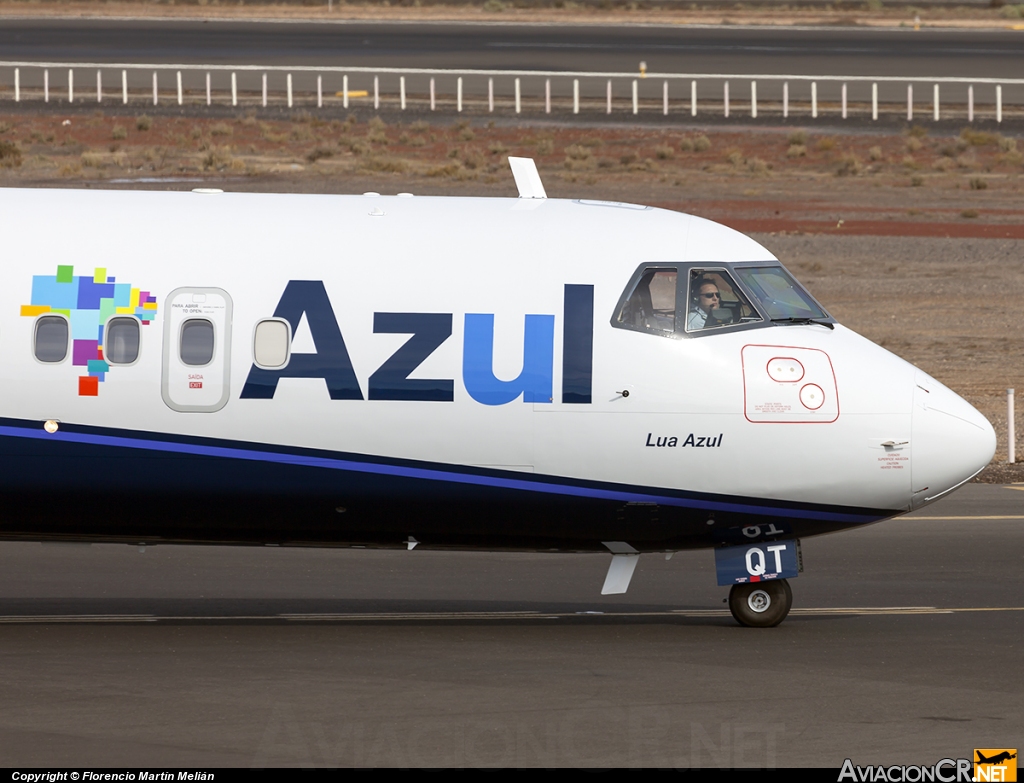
{"points": [[873, 13], [913, 239]]}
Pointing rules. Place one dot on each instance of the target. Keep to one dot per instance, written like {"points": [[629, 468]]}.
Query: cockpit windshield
{"points": [[779, 295]]}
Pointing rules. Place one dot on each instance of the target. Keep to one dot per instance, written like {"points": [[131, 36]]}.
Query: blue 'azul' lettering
{"points": [[534, 382], [392, 381], [330, 362]]}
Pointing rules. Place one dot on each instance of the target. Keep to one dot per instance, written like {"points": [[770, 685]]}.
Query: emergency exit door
{"points": [[197, 350]]}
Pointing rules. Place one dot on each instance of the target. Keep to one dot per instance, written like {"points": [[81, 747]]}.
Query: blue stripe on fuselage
{"points": [[445, 475]]}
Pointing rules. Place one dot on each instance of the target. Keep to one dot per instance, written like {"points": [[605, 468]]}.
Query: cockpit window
{"points": [[714, 300], [779, 295], [651, 306]]}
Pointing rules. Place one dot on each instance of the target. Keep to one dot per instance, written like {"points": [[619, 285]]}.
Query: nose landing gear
{"points": [[761, 604]]}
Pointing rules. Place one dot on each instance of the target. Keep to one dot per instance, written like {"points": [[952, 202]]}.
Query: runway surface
{"points": [[675, 49], [904, 646]]}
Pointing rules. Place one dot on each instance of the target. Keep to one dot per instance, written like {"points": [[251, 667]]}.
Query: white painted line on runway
{"points": [[420, 616], [1005, 516]]}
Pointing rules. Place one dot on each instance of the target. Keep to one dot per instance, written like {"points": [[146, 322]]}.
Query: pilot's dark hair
{"points": [[698, 284]]}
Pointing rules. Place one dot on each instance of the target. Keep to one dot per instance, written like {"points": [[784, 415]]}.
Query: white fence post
{"points": [[693, 98], [154, 88], [1011, 436], [636, 100], [935, 104], [874, 100], [344, 92], [910, 102], [433, 95], [725, 98], [785, 99], [99, 86], [575, 96], [234, 89], [17, 85], [664, 97], [401, 92], [264, 91], [753, 99], [458, 96], [179, 88], [609, 98], [844, 100], [376, 92], [209, 96], [71, 86], [547, 96], [999, 103], [814, 99], [970, 103], [320, 91], [124, 87], [519, 97], [46, 85], [490, 94], [288, 82]]}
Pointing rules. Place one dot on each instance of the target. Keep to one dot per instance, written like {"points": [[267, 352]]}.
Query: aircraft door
{"points": [[197, 350]]}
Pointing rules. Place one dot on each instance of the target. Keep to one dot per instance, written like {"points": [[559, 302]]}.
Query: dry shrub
{"points": [[545, 146], [216, 159], [758, 167], [969, 213], [701, 144], [119, 132], [849, 166], [448, 170], [796, 151], [663, 152], [471, 159], [419, 126], [91, 160], [384, 164], [734, 158], [976, 138], [143, 123], [1007, 144], [977, 183], [5, 127], [826, 144], [629, 158], [417, 141], [686, 144], [916, 181], [913, 144], [875, 153], [576, 152], [943, 164], [466, 134], [301, 133], [798, 137], [497, 148], [320, 152], [10, 155], [221, 129]]}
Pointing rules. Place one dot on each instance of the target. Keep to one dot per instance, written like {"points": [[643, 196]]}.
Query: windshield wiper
{"points": [[826, 324]]}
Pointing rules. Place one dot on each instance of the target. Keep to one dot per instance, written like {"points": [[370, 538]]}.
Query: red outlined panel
{"points": [[785, 384]]}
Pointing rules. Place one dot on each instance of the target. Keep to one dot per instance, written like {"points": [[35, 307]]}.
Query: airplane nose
{"points": [[950, 441]]}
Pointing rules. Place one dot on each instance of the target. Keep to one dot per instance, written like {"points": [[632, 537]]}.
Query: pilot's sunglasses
{"points": [[716, 295]]}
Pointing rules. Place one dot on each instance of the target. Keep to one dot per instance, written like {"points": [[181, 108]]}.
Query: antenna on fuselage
{"points": [[527, 178]]}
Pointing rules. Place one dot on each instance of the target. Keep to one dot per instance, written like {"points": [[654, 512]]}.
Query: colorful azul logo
{"points": [[88, 302]]}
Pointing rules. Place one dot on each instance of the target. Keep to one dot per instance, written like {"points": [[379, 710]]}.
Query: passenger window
{"points": [[50, 342], [651, 306], [197, 342], [714, 300], [271, 343], [121, 340]]}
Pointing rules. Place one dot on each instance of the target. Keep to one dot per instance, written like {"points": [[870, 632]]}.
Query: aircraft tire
{"points": [[761, 604]]}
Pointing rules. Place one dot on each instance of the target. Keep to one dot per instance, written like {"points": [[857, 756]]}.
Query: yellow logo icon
{"points": [[995, 765]]}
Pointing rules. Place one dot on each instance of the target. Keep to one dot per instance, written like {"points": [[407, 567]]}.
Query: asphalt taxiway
{"points": [[904, 647]]}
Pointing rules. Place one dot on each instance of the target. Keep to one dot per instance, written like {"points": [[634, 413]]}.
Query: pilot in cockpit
{"points": [[706, 297]]}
